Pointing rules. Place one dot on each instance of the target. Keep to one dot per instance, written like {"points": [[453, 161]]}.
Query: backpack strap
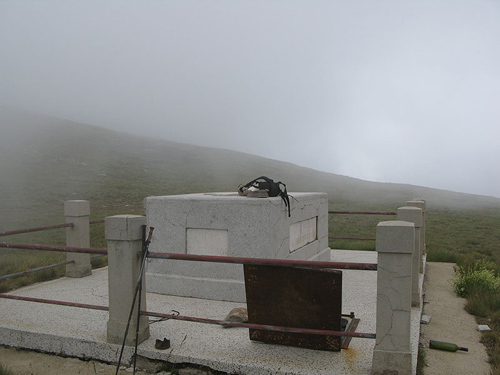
{"points": [[282, 192], [267, 179], [284, 195]]}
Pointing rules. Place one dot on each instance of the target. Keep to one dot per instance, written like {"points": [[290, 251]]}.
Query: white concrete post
{"points": [[395, 244], [420, 203], [124, 235], [78, 212], [414, 215]]}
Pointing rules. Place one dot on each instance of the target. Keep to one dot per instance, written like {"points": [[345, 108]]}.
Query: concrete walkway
{"points": [[451, 323], [81, 333]]}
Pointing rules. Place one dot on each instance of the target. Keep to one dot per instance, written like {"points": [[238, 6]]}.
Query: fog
{"points": [[388, 91]]}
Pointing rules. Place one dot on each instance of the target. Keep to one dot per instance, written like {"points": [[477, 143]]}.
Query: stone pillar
{"points": [[78, 212], [420, 203], [414, 215], [395, 244], [124, 235]]}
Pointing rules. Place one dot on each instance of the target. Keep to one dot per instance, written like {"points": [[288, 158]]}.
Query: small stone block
{"points": [[395, 237], [410, 214], [77, 208], [425, 319], [483, 328], [124, 227]]}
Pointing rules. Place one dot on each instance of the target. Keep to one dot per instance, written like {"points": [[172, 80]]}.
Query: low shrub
{"points": [[479, 277]]}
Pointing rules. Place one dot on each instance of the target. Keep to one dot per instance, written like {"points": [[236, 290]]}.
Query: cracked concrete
{"points": [[258, 228], [23, 362], [38, 326]]}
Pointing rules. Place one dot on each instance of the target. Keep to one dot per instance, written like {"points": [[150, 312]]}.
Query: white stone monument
{"points": [[227, 224]]}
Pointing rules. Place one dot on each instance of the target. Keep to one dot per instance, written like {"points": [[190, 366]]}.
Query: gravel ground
{"points": [[25, 362]]}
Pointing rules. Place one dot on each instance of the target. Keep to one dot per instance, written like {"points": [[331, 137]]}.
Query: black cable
{"points": [[138, 287]]}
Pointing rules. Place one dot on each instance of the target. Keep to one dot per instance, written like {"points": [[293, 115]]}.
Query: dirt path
{"points": [[24, 362], [451, 323]]}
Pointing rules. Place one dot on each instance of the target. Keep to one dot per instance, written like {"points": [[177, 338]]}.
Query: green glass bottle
{"points": [[448, 346]]}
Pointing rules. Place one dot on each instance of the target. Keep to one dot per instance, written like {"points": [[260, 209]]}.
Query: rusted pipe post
{"points": [[77, 212], [395, 245], [124, 235]]}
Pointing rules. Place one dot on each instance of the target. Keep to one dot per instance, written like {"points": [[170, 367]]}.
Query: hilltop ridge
{"points": [[45, 160]]}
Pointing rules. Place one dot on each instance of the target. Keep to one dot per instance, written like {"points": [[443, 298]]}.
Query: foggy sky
{"points": [[389, 91]]}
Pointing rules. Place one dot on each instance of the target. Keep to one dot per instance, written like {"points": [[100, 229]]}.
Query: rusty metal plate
{"points": [[294, 297]]}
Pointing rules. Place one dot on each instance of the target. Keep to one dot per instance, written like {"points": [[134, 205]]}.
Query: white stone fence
{"points": [[401, 255], [401, 252]]}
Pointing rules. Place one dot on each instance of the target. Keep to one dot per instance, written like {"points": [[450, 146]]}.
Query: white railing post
{"points": [[395, 245], [420, 203], [124, 235], [77, 212], [414, 215]]}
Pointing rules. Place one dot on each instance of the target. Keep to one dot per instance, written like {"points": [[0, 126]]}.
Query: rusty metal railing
{"points": [[362, 212], [36, 229], [265, 261], [67, 249], [48, 227], [358, 213], [204, 258], [198, 320], [188, 257]]}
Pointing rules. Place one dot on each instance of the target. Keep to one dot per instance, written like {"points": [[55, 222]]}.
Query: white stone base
{"points": [[386, 362], [226, 224], [215, 288]]}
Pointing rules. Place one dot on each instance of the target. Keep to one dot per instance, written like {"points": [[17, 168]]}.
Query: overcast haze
{"points": [[389, 91]]}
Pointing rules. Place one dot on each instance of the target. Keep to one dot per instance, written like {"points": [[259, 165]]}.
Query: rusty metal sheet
{"points": [[295, 297]]}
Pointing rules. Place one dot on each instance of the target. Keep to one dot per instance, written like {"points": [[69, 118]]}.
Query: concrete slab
{"points": [[228, 224], [81, 333]]}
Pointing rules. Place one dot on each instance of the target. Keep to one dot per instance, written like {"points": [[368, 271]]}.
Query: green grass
{"points": [[18, 260], [421, 360], [479, 282], [45, 161], [4, 370]]}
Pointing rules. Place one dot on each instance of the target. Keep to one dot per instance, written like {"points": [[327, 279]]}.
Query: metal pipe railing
{"points": [[358, 213], [264, 261], [54, 302], [36, 229], [351, 238], [206, 258], [260, 326], [362, 212], [199, 320], [67, 249], [22, 273]]}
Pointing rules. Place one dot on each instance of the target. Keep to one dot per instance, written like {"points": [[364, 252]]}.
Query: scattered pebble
{"points": [[483, 328], [425, 319]]}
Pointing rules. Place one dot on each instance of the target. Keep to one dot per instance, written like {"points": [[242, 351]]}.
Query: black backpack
{"points": [[273, 189]]}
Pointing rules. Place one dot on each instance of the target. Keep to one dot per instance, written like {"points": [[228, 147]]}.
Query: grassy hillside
{"points": [[45, 161]]}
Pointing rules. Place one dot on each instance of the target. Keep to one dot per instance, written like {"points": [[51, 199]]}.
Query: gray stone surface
{"points": [[230, 225], [82, 333], [77, 212], [395, 247], [124, 235]]}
